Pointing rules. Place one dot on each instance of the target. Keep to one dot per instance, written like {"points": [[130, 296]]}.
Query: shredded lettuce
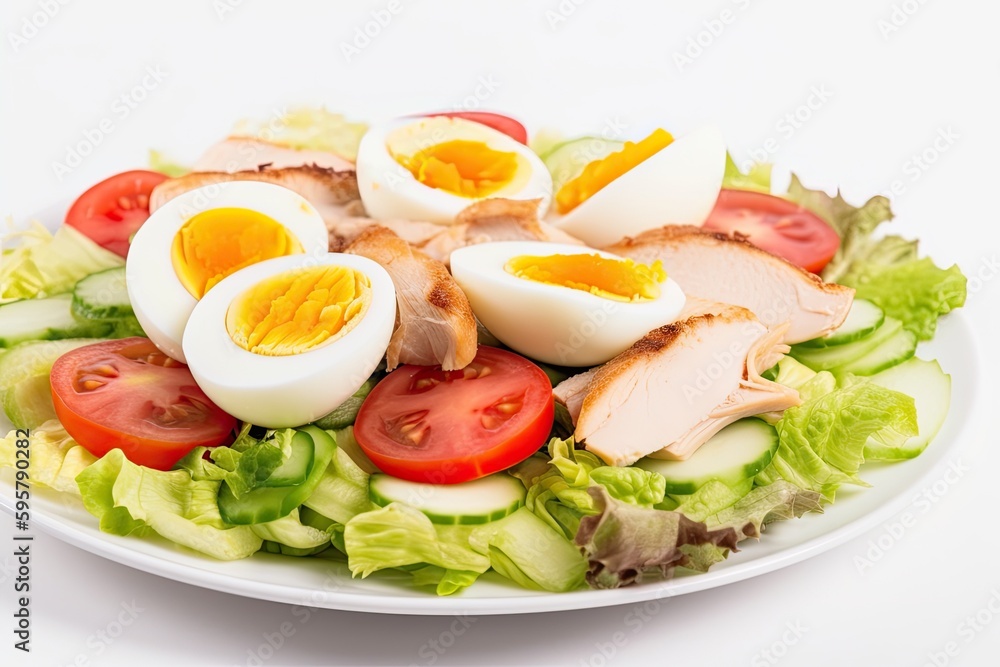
{"points": [[56, 458], [342, 493], [398, 535], [131, 499], [308, 128], [528, 551], [37, 263]]}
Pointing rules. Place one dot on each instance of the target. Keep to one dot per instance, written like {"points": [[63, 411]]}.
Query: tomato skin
{"points": [[780, 227], [452, 415], [499, 122], [110, 212], [141, 385]]}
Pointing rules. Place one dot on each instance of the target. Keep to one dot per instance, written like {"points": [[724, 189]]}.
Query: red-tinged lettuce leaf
{"points": [[747, 516], [623, 542]]}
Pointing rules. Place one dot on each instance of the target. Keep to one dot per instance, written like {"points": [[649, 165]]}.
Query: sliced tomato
{"points": [[126, 394], [110, 212], [781, 227], [427, 425], [505, 124]]}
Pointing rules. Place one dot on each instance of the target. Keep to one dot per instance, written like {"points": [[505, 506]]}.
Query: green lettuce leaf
{"points": [[289, 531], [56, 458], [308, 128], [249, 461], [445, 582], [757, 179], [914, 291], [343, 492], [622, 543], [528, 551], [821, 442], [560, 496], [37, 263], [398, 535], [131, 499], [158, 161]]}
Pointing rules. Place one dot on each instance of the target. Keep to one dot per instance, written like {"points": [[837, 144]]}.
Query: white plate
{"points": [[328, 584]]}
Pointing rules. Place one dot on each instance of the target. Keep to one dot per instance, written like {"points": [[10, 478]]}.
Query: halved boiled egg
{"points": [[647, 184], [564, 304], [431, 168], [195, 240], [285, 341]]}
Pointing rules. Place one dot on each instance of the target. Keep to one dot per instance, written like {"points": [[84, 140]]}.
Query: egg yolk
{"points": [[461, 167], [220, 241], [616, 279], [299, 310], [599, 173]]}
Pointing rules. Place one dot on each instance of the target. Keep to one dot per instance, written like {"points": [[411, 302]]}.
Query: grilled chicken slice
{"points": [[676, 387], [333, 193], [434, 321], [730, 270], [495, 219], [343, 232], [249, 153]]}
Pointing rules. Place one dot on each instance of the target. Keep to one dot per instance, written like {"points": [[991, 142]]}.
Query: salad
{"points": [[436, 347]]}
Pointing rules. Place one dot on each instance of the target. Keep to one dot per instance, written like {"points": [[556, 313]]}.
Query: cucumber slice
{"points": [[733, 455], [567, 160], [863, 319], [45, 319], [476, 502], [892, 352], [269, 503], [930, 388], [833, 357], [102, 296], [294, 469], [24, 379]]}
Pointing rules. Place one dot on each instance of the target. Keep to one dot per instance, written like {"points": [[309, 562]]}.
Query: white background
{"points": [[891, 89]]}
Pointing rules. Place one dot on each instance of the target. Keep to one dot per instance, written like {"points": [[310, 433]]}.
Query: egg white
{"points": [[551, 323], [678, 185], [161, 302], [389, 191], [284, 391]]}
